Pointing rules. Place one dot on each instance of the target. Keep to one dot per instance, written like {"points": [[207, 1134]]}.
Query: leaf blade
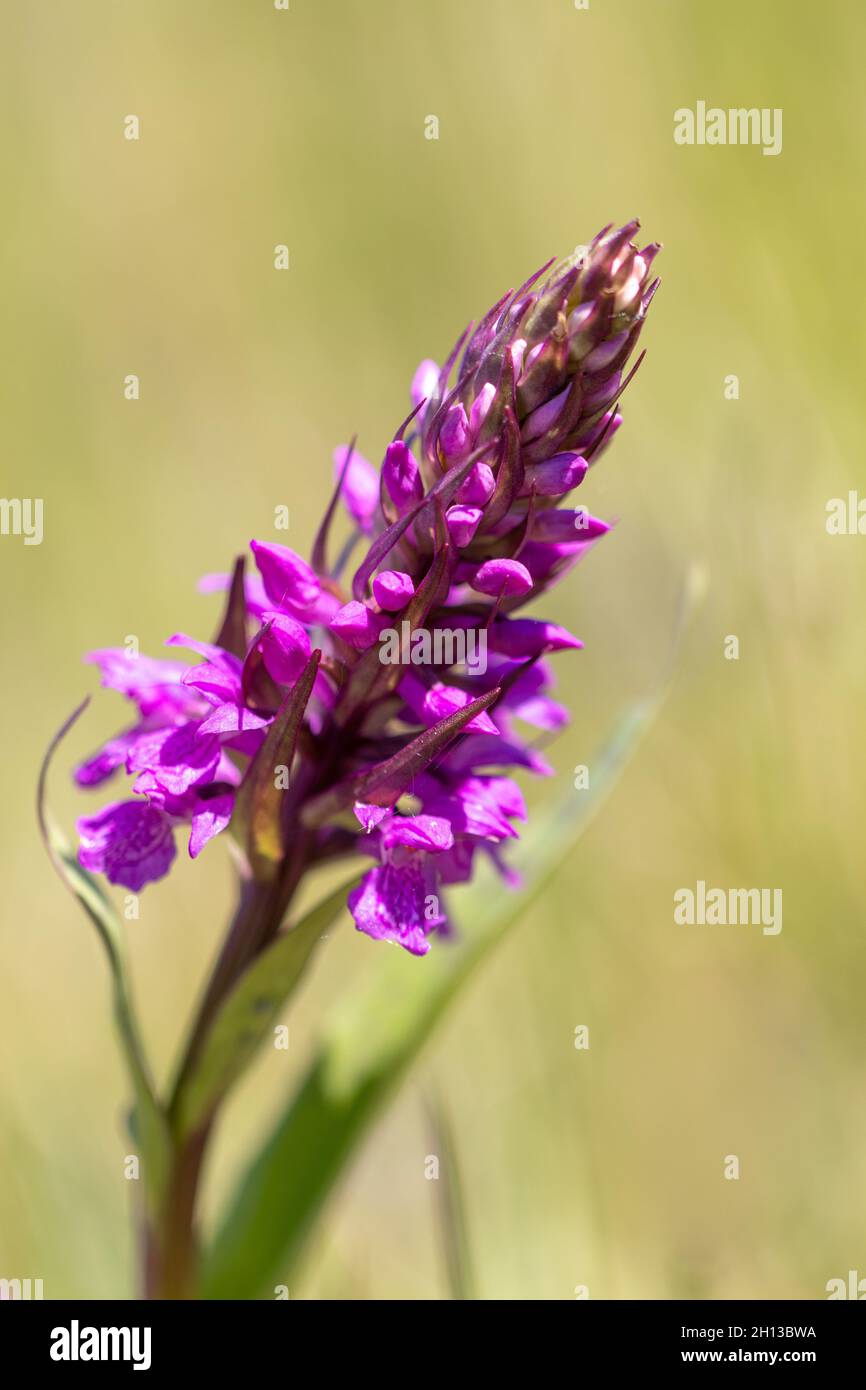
{"points": [[364, 1054], [249, 1011], [149, 1121]]}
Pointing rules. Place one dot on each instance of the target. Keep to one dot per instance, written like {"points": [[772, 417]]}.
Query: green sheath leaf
{"points": [[250, 1010], [368, 1045]]}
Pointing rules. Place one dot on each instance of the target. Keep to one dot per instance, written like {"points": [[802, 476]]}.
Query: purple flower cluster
{"points": [[404, 694]]}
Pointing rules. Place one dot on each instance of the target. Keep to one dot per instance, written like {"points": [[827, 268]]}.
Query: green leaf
{"points": [[367, 1048], [249, 1011], [148, 1121], [378, 1030]]}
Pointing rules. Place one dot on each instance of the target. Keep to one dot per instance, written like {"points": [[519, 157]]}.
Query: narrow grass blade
{"points": [[450, 1204]]}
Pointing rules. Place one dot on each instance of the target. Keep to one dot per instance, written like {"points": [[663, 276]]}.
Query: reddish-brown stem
{"points": [[171, 1244], [171, 1247], [259, 916], [170, 1257]]}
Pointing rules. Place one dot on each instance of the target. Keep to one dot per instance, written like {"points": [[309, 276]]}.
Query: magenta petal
{"points": [[356, 624], [481, 408], [482, 750], [455, 866], [370, 816], [391, 903], [210, 652], [542, 713], [555, 476], [478, 486], [210, 816], [176, 758], [454, 440], [502, 577], [566, 525], [231, 718], [432, 833], [520, 637], [481, 806], [512, 878], [107, 760], [122, 671], [154, 685], [424, 381], [288, 580], [215, 682], [462, 523], [285, 647], [544, 418], [392, 590], [360, 490], [485, 806], [429, 706], [131, 842], [402, 477]]}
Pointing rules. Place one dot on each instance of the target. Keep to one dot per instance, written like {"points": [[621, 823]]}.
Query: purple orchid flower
{"points": [[396, 706]]}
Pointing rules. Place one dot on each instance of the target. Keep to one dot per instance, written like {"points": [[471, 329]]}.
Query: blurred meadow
{"points": [[602, 1167]]}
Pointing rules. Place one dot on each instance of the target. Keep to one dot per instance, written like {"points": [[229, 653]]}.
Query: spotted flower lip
{"points": [[468, 519], [391, 903], [131, 842]]}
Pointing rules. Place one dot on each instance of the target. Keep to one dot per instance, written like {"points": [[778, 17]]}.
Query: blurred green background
{"points": [[602, 1167]]}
